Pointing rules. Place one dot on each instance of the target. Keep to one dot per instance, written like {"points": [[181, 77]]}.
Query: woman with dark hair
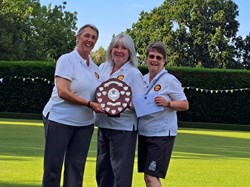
{"points": [[157, 131]]}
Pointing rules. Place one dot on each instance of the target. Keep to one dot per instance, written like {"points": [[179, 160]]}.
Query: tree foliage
{"points": [[243, 50], [197, 33], [30, 31], [99, 56]]}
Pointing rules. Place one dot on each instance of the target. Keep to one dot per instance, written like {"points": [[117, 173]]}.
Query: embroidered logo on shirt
{"points": [[120, 77], [152, 166], [157, 87], [96, 75]]}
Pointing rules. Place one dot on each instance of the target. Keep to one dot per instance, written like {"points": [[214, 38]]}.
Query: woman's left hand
{"points": [[161, 101]]}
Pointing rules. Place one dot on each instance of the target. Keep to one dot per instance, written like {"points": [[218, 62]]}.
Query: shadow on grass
{"points": [[194, 146], [28, 141], [17, 185], [2, 184], [21, 140]]}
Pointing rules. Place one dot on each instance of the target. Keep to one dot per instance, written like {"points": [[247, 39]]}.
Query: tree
{"points": [[242, 52], [13, 29], [35, 32], [246, 52], [196, 32], [99, 56]]}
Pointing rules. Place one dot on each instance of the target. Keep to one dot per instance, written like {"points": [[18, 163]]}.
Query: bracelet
{"points": [[89, 104], [169, 104]]}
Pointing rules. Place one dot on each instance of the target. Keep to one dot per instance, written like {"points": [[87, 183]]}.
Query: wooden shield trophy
{"points": [[114, 96]]}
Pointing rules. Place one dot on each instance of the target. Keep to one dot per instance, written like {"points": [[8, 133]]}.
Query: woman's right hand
{"points": [[96, 107]]}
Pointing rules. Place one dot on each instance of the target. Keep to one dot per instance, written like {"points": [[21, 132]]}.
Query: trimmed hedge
{"points": [[215, 95], [25, 86]]}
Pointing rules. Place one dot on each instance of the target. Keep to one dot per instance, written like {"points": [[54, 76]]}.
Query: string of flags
{"points": [[217, 90], [4, 80], [7, 80]]}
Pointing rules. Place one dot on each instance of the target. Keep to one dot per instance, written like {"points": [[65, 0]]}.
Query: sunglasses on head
{"points": [[154, 56]]}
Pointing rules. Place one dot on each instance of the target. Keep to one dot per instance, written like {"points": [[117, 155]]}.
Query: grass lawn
{"points": [[201, 158]]}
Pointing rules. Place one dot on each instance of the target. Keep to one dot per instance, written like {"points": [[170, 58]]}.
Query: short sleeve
{"points": [[65, 67], [176, 90], [137, 84]]}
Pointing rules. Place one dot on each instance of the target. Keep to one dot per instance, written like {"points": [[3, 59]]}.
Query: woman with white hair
{"points": [[117, 134]]}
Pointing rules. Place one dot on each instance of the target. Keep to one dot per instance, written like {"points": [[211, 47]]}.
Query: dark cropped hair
{"points": [[159, 47]]}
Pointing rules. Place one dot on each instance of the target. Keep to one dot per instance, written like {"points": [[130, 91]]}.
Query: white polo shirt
{"points": [[84, 81], [133, 77], [163, 123]]}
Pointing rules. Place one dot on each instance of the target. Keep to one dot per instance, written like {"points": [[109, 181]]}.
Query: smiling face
{"points": [[86, 41], [155, 61], [120, 54]]}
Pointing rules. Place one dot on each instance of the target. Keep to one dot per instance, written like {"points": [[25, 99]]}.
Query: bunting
{"points": [[4, 80], [217, 90], [7, 80]]}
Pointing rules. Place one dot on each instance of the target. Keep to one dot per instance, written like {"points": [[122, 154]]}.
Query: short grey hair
{"points": [[128, 42], [159, 47], [80, 31]]}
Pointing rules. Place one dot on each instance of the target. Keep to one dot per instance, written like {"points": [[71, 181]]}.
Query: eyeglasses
{"points": [[154, 56]]}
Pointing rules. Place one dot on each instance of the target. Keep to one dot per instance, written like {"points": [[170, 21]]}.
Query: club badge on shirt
{"points": [[120, 77], [97, 75], [157, 87]]}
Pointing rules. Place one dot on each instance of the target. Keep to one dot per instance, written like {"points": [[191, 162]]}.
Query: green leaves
{"points": [[197, 33], [35, 32]]}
